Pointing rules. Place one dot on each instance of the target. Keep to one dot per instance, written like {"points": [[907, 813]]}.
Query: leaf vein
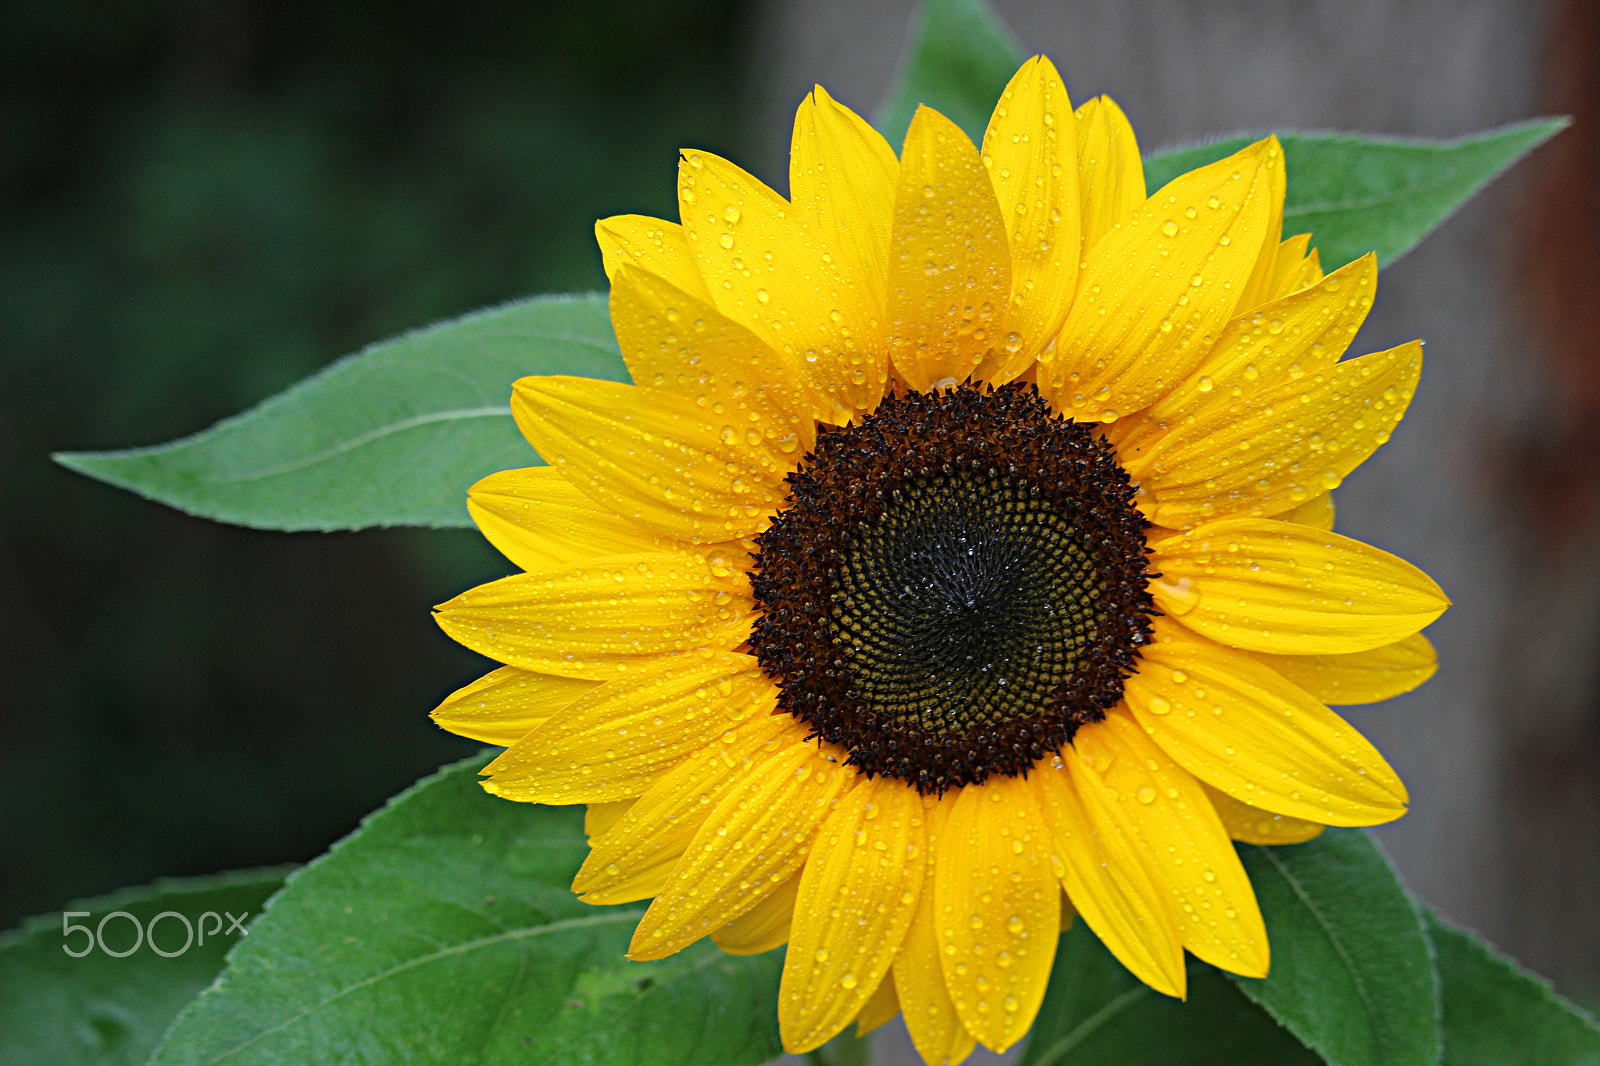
{"points": [[361, 439], [457, 949]]}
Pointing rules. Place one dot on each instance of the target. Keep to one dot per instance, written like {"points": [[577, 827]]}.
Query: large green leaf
{"points": [[390, 436], [1095, 1013], [957, 62], [1496, 1013], [63, 1005], [1358, 194], [1352, 974], [444, 931]]}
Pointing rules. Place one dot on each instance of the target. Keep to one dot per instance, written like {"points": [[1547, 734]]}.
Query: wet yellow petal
{"points": [[602, 616], [1156, 292], [1272, 451], [1259, 289], [858, 894], [1110, 172], [1241, 727], [1252, 825], [842, 175], [949, 270], [1363, 676], [1297, 266], [681, 345], [762, 927], [919, 981], [881, 1007], [652, 455], [1289, 589], [1030, 150], [997, 909], [1111, 881], [1279, 343], [615, 740], [652, 245], [538, 520], [1179, 828], [506, 705], [772, 275], [1316, 512], [598, 818], [633, 858], [757, 835]]}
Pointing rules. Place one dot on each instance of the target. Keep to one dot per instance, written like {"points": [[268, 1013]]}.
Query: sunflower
{"points": [[959, 561]]}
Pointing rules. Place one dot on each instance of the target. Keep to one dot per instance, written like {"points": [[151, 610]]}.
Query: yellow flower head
{"points": [[959, 560]]}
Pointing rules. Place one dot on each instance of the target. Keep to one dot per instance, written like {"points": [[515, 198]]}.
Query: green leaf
{"points": [[1497, 1013], [1095, 1013], [958, 61], [393, 435], [1357, 194], [444, 931], [1352, 974], [61, 1005]]}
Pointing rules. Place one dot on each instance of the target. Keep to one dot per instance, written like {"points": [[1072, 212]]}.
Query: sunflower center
{"points": [[955, 585]]}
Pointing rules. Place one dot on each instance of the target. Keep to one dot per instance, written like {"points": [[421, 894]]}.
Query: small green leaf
{"points": [[64, 1001], [1352, 975], [1497, 1013], [393, 435], [1357, 194], [1095, 1013], [444, 931], [958, 61]]}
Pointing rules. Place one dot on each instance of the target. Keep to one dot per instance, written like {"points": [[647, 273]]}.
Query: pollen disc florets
{"points": [[955, 585]]}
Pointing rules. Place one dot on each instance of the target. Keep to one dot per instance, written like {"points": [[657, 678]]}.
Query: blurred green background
{"points": [[206, 201]]}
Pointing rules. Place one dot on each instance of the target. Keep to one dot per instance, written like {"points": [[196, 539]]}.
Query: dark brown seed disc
{"points": [[955, 584]]}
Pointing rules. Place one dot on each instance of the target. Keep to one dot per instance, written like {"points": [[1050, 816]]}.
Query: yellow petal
{"points": [[1156, 292], [1282, 342], [1297, 266], [1363, 676], [1110, 172], [652, 456], [538, 520], [598, 818], [602, 616], [673, 342], [757, 836], [506, 705], [1111, 880], [857, 898], [1269, 452], [1178, 827], [1289, 589], [652, 245], [772, 275], [633, 859], [1242, 728], [615, 740], [1068, 911], [880, 1008], [949, 270], [998, 909], [762, 927], [1259, 289], [842, 175], [1316, 512], [1252, 825], [930, 1013], [1030, 150]]}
